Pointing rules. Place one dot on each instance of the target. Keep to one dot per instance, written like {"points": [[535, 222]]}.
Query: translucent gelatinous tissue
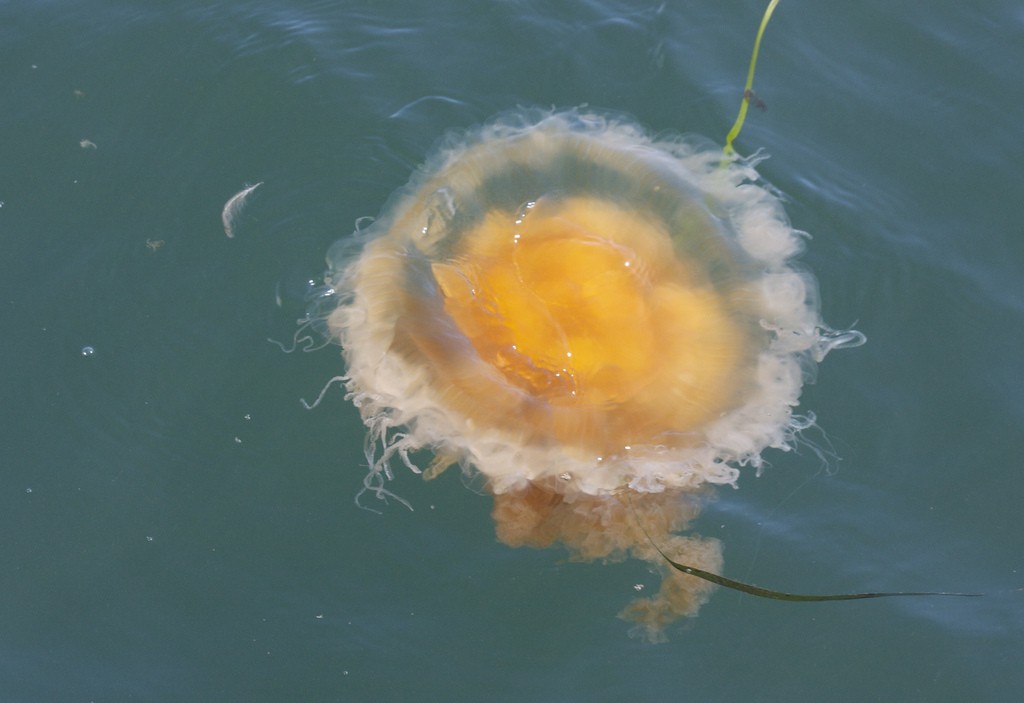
{"points": [[598, 323]]}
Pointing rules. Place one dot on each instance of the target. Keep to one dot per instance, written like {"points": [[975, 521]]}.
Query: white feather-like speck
{"points": [[233, 208]]}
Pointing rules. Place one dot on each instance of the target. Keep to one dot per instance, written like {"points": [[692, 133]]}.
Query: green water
{"points": [[175, 526]]}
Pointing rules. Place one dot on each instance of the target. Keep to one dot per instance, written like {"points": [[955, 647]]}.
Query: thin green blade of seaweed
{"points": [[803, 598]]}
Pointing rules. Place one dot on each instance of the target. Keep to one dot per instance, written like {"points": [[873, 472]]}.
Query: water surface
{"points": [[177, 527]]}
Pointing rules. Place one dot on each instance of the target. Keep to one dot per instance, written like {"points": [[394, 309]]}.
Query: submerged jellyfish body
{"points": [[598, 323]]}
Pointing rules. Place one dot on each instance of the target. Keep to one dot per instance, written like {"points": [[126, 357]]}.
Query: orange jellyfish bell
{"points": [[597, 322]]}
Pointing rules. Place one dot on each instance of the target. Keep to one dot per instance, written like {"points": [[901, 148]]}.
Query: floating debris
{"points": [[233, 208], [87, 144], [751, 97]]}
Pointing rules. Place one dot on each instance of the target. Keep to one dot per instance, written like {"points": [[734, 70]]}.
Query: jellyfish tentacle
{"points": [[323, 392]]}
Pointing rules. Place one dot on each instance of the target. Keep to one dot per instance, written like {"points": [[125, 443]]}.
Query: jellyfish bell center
{"points": [[584, 304], [553, 303]]}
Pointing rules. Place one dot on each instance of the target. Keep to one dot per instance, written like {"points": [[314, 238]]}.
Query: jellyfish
{"points": [[598, 324]]}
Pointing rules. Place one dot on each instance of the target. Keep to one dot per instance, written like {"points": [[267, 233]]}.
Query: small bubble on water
{"points": [[88, 351]]}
